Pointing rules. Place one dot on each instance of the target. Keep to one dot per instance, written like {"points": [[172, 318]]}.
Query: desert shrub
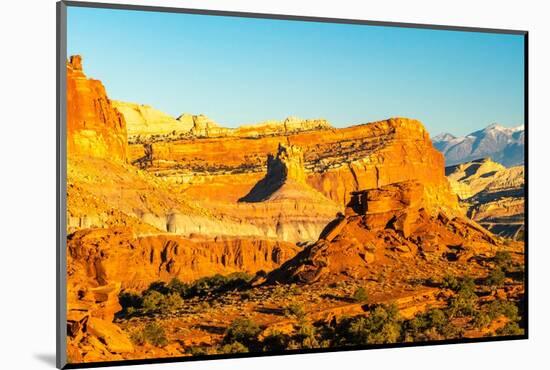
{"points": [[464, 301], [481, 319], [511, 328], [503, 259], [152, 333], [430, 325], [450, 282], [129, 301], [304, 336], [278, 292], [234, 347], [158, 286], [296, 310], [275, 341], [152, 301], [501, 307], [197, 351], [177, 286], [137, 337], [155, 335], [171, 302], [383, 325], [244, 331], [294, 290], [496, 277], [219, 284], [360, 295]]}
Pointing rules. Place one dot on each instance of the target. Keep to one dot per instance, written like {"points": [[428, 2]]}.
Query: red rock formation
{"points": [[382, 225], [94, 127], [115, 255], [337, 162], [284, 170]]}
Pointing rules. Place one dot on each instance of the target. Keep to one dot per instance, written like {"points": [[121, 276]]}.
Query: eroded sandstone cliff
{"points": [[337, 162], [94, 127]]}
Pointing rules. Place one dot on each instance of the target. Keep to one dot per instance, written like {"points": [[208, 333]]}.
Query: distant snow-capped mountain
{"points": [[504, 145]]}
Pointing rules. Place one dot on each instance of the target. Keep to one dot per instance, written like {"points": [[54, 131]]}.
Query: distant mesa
{"points": [[144, 120], [148, 124], [492, 194], [501, 144]]}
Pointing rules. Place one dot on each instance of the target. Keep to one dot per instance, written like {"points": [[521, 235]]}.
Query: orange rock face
{"points": [[94, 127], [335, 210], [337, 162], [381, 225], [115, 255]]}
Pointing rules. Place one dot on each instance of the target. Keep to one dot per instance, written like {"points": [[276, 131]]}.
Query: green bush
{"points": [[137, 337], [152, 333], [503, 259], [171, 302], [360, 295], [177, 286], [430, 325], [219, 284], [129, 301], [450, 282], [383, 325], [197, 351], [152, 301], [511, 328], [234, 347], [481, 319], [275, 341], [242, 330], [496, 277], [305, 336], [464, 301], [501, 307], [295, 310]]}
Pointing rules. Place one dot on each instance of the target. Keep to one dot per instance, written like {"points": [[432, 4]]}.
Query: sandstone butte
{"points": [[194, 207]]}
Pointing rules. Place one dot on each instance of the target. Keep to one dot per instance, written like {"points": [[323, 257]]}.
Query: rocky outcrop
{"points": [[381, 226], [147, 124], [117, 256], [94, 126], [288, 126], [204, 127], [492, 194], [284, 170], [144, 122]]}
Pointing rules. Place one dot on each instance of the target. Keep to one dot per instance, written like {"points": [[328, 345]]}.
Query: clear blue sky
{"points": [[242, 70]]}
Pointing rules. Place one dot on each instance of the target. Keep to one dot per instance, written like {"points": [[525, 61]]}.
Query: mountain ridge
{"points": [[504, 145]]}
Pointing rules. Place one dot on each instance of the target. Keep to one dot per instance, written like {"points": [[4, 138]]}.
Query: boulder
{"points": [[110, 335]]}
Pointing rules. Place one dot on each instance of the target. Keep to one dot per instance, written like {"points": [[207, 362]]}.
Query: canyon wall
{"points": [[94, 127], [336, 161]]}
